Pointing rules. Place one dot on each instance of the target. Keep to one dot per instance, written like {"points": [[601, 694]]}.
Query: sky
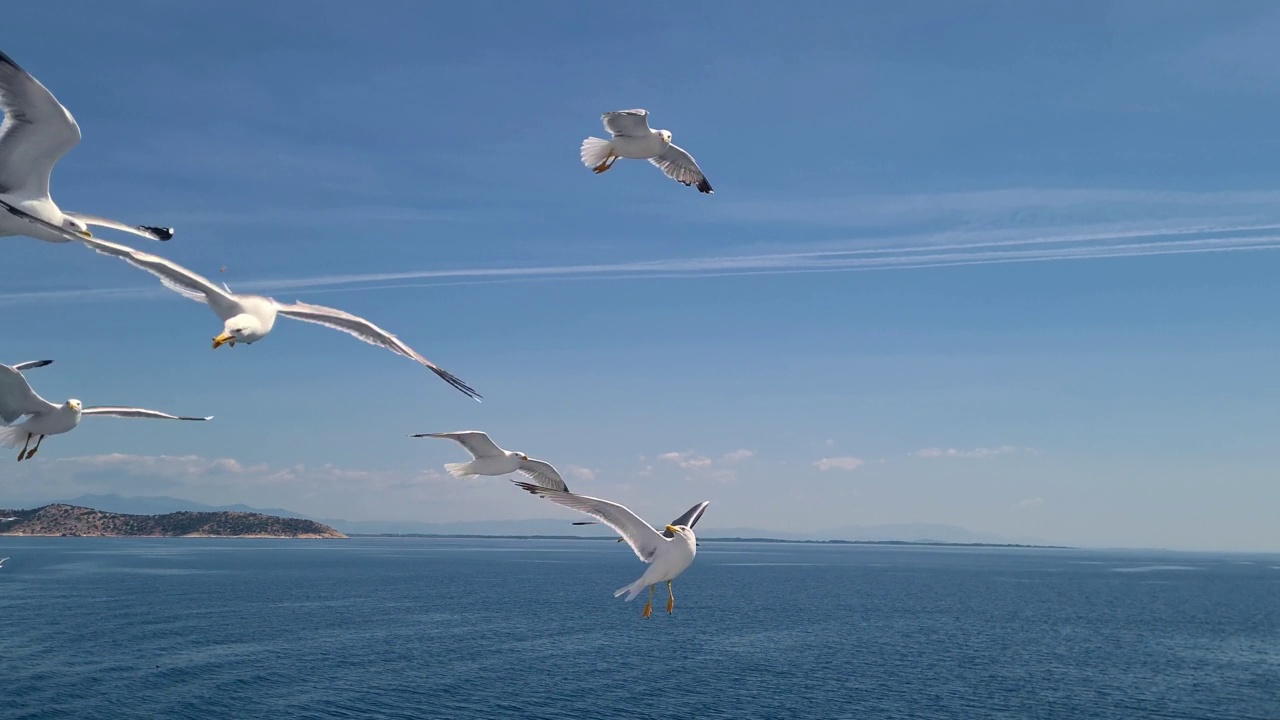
{"points": [[999, 265]]}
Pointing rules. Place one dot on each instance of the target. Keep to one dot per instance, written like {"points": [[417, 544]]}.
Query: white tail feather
{"points": [[459, 470], [12, 436], [634, 588], [594, 151]]}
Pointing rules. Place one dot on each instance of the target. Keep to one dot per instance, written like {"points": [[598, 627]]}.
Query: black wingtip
{"points": [[162, 233], [41, 363], [704, 186], [529, 487], [455, 381], [9, 61]]}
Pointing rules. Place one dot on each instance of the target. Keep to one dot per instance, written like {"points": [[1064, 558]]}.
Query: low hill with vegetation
{"points": [[73, 521]]}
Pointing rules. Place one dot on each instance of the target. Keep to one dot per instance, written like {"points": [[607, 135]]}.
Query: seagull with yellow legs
{"points": [[668, 555]]}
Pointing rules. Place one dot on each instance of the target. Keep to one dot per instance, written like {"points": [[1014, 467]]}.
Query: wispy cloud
{"points": [[738, 455], [687, 460], [839, 463], [937, 452], [581, 473], [931, 251], [1029, 503]]}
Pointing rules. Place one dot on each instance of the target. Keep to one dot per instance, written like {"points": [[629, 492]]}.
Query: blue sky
{"points": [[1000, 265]]}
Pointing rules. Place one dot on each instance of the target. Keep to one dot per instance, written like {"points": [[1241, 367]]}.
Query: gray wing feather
{"points": [[131, 412], [31, 365], [689, 518], [36, 132], [147, 231], [542, 473], [17, 398], [476, 442], [364, 330], [627, 123], [177, 278], [643, 539], [681, 167]]}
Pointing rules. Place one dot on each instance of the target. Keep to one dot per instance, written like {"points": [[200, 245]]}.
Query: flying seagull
{"points": [[249, 318], [632, 138], [36, 132], [44, 418], [2, 561], [493, 460], [668, 555], [688, 519]]}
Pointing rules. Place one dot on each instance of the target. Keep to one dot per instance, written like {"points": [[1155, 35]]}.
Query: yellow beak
{"points": [[222, 339], [86, 233], [672, 529]]}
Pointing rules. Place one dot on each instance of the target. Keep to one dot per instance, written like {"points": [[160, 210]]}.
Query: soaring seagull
{"points": [[17, 399], [668, 554], [36, 132], [249, 318], [492, 460], [632, 138]]}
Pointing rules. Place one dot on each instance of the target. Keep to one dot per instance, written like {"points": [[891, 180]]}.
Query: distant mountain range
{"points": [[76, 521], [901, 532]]}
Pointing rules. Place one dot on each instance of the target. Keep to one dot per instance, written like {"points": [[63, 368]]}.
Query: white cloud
{"points": [[937, 452], [687, 460], [738, 456], [582, 473], [839, 463]]}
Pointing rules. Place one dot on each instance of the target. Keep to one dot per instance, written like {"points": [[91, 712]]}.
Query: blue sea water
{"points": [[436, 628]]}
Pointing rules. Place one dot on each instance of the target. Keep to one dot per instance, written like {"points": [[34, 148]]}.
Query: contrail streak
{"points": [[919, 255]]}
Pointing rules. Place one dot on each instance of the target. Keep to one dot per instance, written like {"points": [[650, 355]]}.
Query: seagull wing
{"points": [[643, 539], [680, 166], [627, 123], [543, 474], [147, 231], [172, 275], [36, 132], [132, 412], [476, 442], [370, 333], [17, 398], [31, 365], [689, 518]]}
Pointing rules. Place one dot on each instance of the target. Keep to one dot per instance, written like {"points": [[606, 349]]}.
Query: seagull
{"points": [[44, 418], [2, 561], [632, 138], [249, 318], [668, 554], [36, 132], [493, 460], [688, 519]]}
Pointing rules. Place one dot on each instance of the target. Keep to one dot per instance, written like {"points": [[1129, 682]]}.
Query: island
{"points": [[71, 521]]}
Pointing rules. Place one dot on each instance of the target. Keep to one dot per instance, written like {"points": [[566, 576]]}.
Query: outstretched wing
{"points": [[680, 166], [31, 365], [149, 232], [476, 442], [370, 333], [17, 398], [131, 412], [627, 123], [543, 474], [643, 539], [186, 283], [689, 518], [36, 132]]}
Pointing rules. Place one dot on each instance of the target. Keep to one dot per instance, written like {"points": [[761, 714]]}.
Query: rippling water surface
{"points": [[425, 628]]}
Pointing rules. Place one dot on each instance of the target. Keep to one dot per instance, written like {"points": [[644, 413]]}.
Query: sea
{"points": [[118, 628]]}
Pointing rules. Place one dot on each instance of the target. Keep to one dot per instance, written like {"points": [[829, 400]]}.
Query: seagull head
{"points": [[677, 529], [76, 226], [522, 456], [665, 135], [74, 405], [242, 328]]}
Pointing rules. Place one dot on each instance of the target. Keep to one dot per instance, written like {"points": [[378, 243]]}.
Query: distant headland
{"points": [[60, 520]]}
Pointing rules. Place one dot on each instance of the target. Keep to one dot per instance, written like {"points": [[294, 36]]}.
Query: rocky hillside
{"points": [[69, 520]]}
